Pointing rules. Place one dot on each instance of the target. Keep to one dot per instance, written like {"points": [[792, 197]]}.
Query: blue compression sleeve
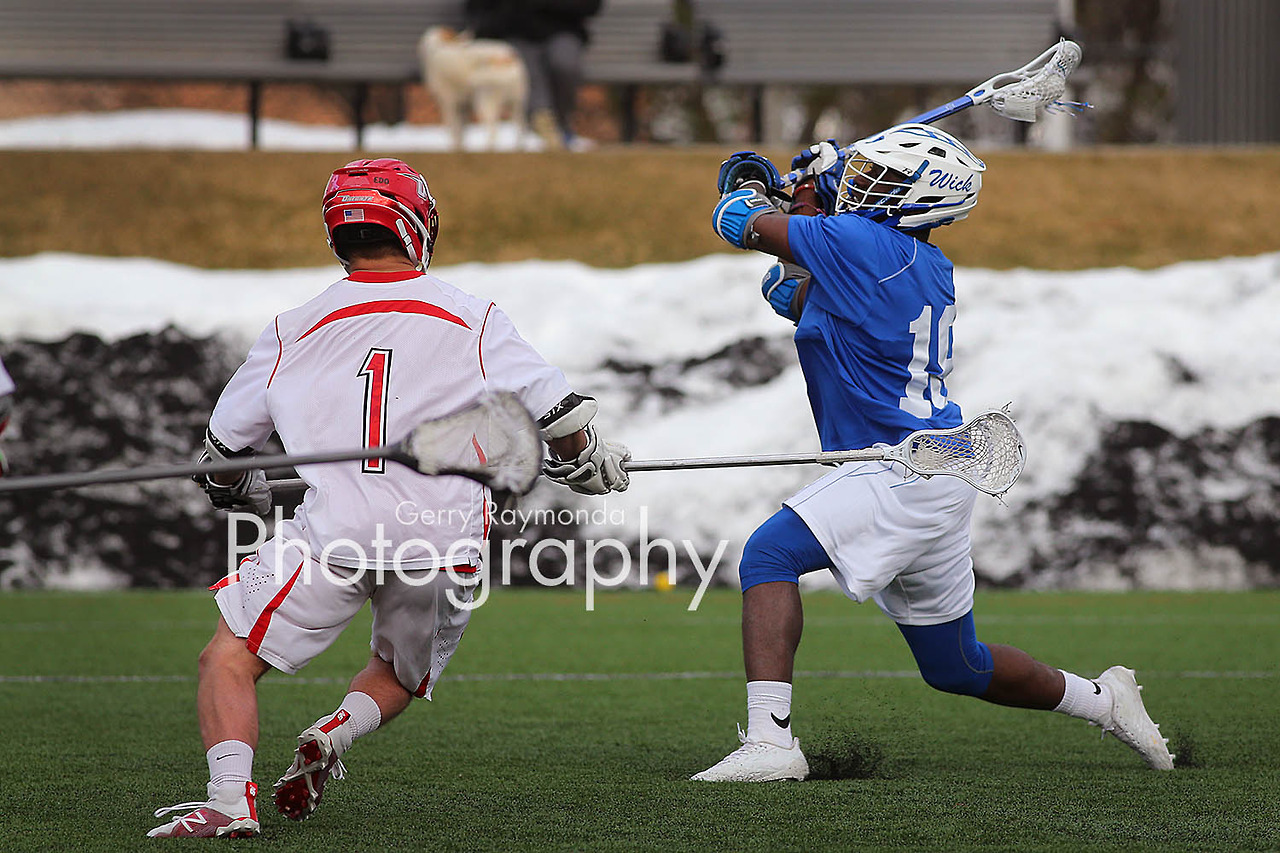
{"points": [[781, 549], [950, 657]]}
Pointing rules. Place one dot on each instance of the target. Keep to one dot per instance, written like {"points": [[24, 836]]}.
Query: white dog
{"points": [[487, 75]]}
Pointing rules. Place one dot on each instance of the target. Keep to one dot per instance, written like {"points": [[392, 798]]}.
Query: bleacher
{"points": [[844, 42]]}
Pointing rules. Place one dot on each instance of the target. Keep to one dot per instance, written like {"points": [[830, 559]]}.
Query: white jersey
{"points": [[6, 384], [360, 365]]}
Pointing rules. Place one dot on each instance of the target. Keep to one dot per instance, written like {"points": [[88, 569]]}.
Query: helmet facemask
{"points": [[870, 189]]}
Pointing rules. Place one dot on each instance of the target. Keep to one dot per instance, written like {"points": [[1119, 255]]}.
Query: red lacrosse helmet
{"points": [[384, 192]]}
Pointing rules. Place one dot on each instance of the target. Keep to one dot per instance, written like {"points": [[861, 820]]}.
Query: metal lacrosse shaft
{"points": [[867, 455], [633, 465], [163, 472]]}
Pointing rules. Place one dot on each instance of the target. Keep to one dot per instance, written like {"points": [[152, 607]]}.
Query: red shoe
{"points": [[230, 812], [299, 790]]}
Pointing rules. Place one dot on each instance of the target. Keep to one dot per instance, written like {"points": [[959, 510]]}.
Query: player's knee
{"points": [[950, 657], [765, 560], [214, 655], [960, 680]]}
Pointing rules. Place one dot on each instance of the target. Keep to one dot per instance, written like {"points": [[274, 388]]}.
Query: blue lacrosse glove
{"points": [[748, 166], [824, 162], [781, 287], [732, 218]]}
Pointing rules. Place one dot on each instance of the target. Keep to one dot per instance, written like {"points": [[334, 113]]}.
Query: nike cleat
{"points": [[758, 761], [299, 790], [230, 812], [1129, 720]]}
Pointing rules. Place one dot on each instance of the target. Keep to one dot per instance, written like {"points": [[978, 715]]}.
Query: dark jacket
{"points": [[535, 20]]}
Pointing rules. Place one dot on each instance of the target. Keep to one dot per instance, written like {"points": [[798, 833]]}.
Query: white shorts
{"points": [[901, 542], [288, 618]]}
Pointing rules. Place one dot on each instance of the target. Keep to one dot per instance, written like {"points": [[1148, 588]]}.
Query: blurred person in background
{"points": [[551, 36]]}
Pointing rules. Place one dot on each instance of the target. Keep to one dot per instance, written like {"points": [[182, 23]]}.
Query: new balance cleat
{"points": [[299, 790], [758, 761], [230, 812], [1129, 720]]}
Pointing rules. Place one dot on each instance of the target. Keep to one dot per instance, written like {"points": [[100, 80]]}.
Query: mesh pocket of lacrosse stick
{"points": [[987, 452], [495, 442], [1029, 91]]}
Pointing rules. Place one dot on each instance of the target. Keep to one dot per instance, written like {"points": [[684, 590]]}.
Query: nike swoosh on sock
{"points": [[784, 722]]}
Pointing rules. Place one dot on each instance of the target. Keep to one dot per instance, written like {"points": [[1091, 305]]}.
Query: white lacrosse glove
{"points": [[250, 492], [597, 470], [823, 163]]}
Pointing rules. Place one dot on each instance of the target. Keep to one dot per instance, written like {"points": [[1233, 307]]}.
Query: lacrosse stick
{"points": [[494, 442], [987, 453], [1017, 95]]}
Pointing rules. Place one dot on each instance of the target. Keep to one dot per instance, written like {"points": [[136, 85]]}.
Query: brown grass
{"points": [[621, 206]]}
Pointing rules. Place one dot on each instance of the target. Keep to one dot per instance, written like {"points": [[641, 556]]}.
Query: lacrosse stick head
{"points": [[1021, 95], [987, 452], [494, 442], [910, 176]]}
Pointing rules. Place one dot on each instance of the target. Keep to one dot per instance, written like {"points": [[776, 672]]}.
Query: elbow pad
{"points": [[570, 415], [217, 450], [733, 217], [783, 288]]}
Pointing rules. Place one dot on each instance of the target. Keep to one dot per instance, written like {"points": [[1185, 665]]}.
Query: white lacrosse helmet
{"points": [[910, 176]]}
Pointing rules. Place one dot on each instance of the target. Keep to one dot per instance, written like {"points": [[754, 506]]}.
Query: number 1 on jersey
{"points": [[376, 372], [930, 363]]}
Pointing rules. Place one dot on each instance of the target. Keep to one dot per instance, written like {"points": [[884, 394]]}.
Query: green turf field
{"points": [[524, 750]]}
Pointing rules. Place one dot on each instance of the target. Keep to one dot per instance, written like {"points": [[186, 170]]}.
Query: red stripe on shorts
{"points": [[254, 642], [229, 579], [422, 688]]}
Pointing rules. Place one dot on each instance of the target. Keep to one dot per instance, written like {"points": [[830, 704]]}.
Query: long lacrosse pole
{"points": [[1066, 52], [828, 457], [44, 482], [1070, 54], [414, 451]]}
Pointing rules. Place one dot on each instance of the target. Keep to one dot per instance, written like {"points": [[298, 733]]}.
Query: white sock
{"points": [[769, 712], [1085, 699], [356, 716], [230, 762]]}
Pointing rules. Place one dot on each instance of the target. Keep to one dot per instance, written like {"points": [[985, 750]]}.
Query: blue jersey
{"points": [[874, 340]]}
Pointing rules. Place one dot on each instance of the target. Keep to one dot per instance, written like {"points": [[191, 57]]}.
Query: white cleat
{"points": [[1129, 720], [299, 790], [230, 812], [758, 761]]}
